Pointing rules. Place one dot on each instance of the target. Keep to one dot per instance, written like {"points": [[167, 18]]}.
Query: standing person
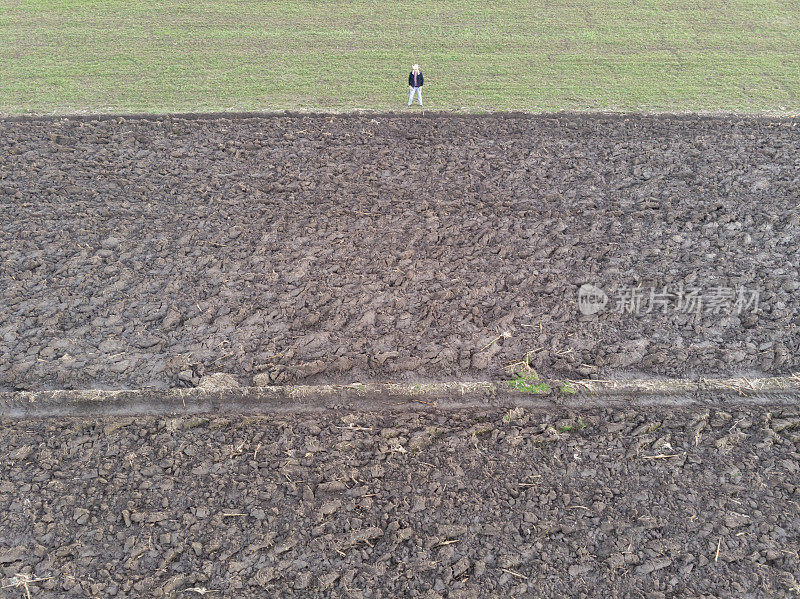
{"points": [[415, 84]]}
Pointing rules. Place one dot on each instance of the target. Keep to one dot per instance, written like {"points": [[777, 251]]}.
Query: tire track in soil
{"points": [[214, 397], [323, 249]]}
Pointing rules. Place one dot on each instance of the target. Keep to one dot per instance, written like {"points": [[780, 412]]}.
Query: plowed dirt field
{"points": [[148, 252]]}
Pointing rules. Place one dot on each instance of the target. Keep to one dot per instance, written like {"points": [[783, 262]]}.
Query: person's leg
{"points": [[411, 97], [419, 94]]}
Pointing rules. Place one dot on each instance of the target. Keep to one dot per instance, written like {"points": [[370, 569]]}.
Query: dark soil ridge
{"points": [[213, 397], [330, 249], [764, 116]]}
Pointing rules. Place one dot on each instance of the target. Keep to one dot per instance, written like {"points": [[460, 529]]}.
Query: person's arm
{"points": [[421, 79], [410, 75]]}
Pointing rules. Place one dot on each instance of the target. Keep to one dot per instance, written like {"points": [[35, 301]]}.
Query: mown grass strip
{"points": [[70, 56]]}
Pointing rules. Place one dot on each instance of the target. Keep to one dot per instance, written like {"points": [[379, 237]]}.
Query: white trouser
{"points": [[419, 95]]}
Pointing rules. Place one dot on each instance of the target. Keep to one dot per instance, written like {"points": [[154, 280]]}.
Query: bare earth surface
{"points": [[369, 248], [657, 503]]}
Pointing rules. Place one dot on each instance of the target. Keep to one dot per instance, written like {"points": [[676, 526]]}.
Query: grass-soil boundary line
{"points": [[548, 394], [787, 118]]}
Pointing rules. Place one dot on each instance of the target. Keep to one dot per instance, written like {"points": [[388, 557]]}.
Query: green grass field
{"points": [[68, 56]]}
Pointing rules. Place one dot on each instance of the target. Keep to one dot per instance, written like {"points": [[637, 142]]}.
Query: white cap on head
{"points": [[415, 67]]}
